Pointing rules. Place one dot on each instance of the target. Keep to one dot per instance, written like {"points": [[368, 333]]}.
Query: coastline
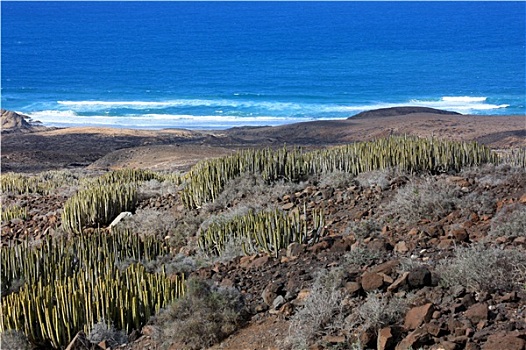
{"points": [[177, 149]]}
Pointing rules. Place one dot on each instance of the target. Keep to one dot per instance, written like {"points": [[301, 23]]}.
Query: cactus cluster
{"points": [[267, 231], [98, 205], [410, 154], [206, 179], [126, 175], [103, 199], [515, 157], [14, 212], [43, 183], [71, 285]]}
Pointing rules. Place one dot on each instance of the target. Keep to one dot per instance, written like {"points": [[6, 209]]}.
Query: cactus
{"points": [[205, 181], [71, 284], [14, 212], [268, 231]]}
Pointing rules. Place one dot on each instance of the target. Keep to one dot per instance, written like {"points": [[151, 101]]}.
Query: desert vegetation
{"points": [[371, 230]]}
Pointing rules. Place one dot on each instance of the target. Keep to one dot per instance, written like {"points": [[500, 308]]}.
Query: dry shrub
{"points": [[376, 312], [479, 268], [365, 228], [251, 190], [13, 339], [381, 178], [363, 256], [103, 331], [336, 179], [204, 316], [509, 222], [480, 203], [430, 199], [155, 188], [320, 312], [160, 224]]}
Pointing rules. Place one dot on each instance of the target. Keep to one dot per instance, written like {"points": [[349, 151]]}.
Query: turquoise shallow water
{"points": [[218, 65]]}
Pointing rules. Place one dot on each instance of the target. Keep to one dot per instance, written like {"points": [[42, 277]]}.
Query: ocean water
{"points": [[214, 65]]}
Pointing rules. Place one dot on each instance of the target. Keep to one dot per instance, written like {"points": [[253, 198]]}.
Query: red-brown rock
{"points": [[477, 312], [418, 315], [503, 340], [372, 281]]}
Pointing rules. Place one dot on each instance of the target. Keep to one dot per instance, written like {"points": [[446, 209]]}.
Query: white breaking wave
{"points": [[460, 104], [226, 113], [156, 121], [463, 99], [86, 106]]}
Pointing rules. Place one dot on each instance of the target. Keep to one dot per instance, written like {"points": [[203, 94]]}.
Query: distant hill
{"points": [[399, 111], [13, 122]]}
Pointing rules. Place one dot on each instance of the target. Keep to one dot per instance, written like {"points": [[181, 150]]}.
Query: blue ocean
{"points": [[215, 65]]}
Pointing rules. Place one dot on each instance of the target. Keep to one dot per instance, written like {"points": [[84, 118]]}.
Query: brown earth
{"points": [[437, 317]]}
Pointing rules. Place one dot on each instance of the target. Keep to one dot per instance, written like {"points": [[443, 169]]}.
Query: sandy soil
{"points": [[107, 148]]}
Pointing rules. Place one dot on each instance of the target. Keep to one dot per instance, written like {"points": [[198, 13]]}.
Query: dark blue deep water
{"points": [[223, 64]]}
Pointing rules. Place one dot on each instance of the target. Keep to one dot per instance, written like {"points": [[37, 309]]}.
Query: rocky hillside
{"points": [[401, 260]]}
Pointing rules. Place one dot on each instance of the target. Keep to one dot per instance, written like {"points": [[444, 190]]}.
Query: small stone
{"points": [[413, 232], [287, 206], [260, 262], [459, 235], [435, 328], [319, 247], [278, 302], [419, 277], [294, 250], [445, 345], [445, 243], [271, 292], [415, 339], [352, 287], [400, 281], [79, 342], [401, 247], [385, 339], [333, 339]]}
